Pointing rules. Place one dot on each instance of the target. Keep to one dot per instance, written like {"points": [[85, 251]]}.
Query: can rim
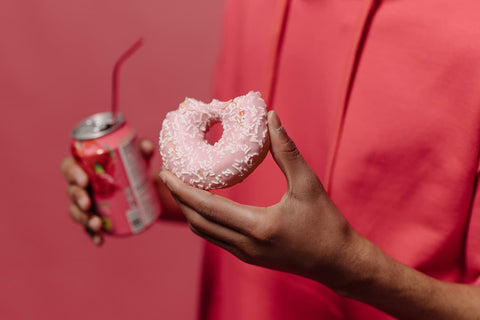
{"points": [[97, 125]]}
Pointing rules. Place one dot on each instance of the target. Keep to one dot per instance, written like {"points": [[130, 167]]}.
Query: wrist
{"points": [[370, 275], [359, 266]]}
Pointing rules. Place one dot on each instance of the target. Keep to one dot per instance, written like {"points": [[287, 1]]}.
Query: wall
{"points": [[56, 58]]}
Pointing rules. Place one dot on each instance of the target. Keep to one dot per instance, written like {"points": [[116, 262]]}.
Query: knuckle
{"points": [[73, 211], [69, 192], [80, 195], [266, 231], [74, 173], [204, 207], [252, 254], [76, 195], [72, 191], [195, 223], [70, 172], [77, 215], [291, 150], [65, 164]]}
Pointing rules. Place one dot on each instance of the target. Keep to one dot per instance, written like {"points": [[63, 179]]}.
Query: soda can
{"points": [[123, 195]]}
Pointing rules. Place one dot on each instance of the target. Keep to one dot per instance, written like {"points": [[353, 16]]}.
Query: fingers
{"points": [[234, 249], [92, 223], [210, 230], [86, 219], [170, 209], [79, 196], [73, 172], [286, 154], [79, 213], [222, 236], [78, 181], [97, 238], [212, 207]]}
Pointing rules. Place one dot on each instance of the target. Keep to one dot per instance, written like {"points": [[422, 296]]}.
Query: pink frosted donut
{"points": [[243, 145]]}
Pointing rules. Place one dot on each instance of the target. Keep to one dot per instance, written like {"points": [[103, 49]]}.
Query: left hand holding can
{"points": [[80, 209]]}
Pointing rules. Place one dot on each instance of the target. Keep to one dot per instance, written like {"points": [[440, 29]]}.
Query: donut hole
{"points": [[214, 132]]}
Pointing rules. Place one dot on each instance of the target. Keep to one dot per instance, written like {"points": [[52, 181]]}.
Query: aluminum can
{"points": [[123, 195]]}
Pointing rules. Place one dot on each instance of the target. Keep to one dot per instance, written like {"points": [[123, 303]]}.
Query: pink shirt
{"points": [[383, 100]]}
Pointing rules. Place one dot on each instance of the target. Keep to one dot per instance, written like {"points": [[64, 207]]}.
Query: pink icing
{"points": [[243, 145]]}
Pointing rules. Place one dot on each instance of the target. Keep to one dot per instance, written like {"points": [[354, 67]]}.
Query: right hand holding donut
{"points": [[81, 202]]}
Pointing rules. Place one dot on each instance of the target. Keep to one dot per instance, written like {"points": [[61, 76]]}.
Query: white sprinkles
{"points": [[187, 154]]}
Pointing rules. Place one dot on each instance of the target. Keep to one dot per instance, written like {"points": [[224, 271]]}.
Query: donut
{"points": [[242, 147]]}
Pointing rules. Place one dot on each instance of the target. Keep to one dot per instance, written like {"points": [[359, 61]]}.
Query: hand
{"points": [[81, 202], [304, 233]]}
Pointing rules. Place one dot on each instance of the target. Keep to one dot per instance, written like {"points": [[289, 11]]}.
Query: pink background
{"points": [[55, 66]]}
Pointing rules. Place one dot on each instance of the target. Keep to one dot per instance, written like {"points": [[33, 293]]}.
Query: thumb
{"points": [[287, 156], [146, 148]]}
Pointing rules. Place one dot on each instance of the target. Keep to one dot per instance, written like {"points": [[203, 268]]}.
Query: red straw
{"points": [[116, 71]]}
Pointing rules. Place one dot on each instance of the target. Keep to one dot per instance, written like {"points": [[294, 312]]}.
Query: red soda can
{"points": [[123, 195]]}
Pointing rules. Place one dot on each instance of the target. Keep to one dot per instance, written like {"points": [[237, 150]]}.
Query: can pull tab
{"points": [[115, 76], [99, 124], [96, 126]]}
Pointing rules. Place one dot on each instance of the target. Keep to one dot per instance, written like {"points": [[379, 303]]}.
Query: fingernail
{"points": [[147, 145], [95, 223], [83, 203], [274, 121], [97, 240]]}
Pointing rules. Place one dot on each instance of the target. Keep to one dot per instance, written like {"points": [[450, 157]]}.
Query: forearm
{"points": [[404, 292]]}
